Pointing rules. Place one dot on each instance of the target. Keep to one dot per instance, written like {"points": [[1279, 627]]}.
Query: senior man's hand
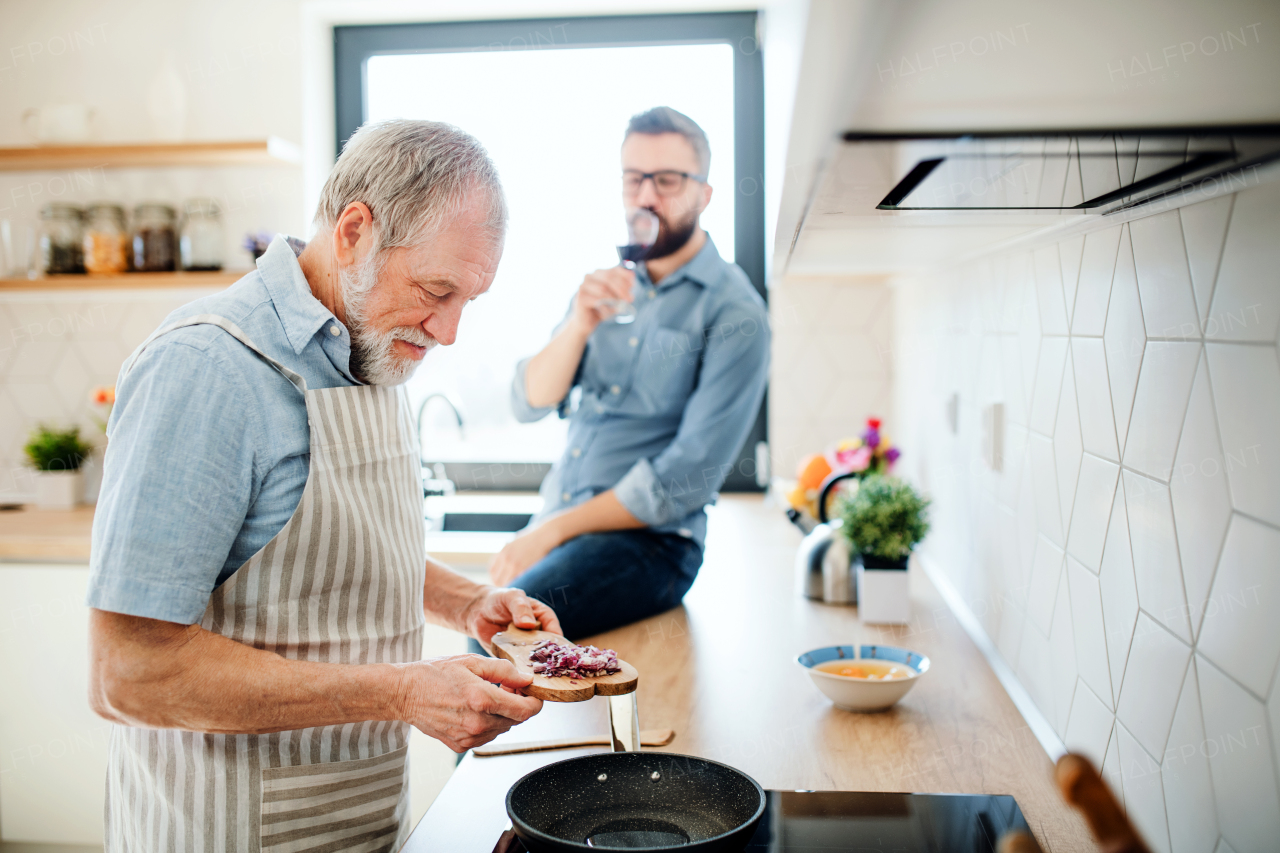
{"points": [[455, 700], [495, 608]]}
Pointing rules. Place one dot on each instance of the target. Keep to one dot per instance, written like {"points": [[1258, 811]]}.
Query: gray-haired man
{"points": [[259, 582]]}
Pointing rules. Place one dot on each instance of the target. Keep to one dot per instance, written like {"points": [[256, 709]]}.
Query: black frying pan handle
{"points": [[825, 490]]}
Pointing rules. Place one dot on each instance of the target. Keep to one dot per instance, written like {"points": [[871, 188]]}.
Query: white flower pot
{"points": [[883, 597], [58, 489]]}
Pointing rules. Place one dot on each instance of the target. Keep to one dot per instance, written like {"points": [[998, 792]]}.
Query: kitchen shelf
{"points": [[271, 151], [124, 281]]}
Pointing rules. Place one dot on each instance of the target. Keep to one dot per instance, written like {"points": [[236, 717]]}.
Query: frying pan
{"points": [[635, 801]]}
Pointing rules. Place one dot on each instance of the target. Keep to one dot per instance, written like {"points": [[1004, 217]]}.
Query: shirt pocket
{"points": [[334, 805], [667, 370]]}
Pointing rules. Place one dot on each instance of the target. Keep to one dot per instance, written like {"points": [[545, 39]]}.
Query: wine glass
{"points": [[642, 232]]}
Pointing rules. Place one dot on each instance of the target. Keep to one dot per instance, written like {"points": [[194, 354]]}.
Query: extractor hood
{"points": [[1085, 171], [885, 203]]}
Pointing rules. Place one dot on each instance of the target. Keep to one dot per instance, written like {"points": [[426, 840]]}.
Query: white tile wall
{"points": [[1096, 268], [1097, 423], [832, 366], [1089, 630], [1242, 767], [1096, 488], [1090, 725], [1155, 553], [1246, 391], [1244, 307], [1188, 785], [55, 348], [1139, 501], [1124, 337], [1164, 280]]}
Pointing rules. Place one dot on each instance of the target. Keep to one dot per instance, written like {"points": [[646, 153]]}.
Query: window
{"points": [[550, 100]]}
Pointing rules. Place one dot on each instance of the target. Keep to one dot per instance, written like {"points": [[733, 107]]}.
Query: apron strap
{"points": [[228, 327]]}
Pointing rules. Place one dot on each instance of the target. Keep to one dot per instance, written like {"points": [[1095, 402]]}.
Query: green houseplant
{"points": [[884, 520], [57, 455]]}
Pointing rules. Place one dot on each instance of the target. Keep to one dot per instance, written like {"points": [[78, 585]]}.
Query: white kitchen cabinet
{"points": [[53, 749]]}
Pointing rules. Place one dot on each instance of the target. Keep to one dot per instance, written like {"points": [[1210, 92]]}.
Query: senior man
{"points": [[665, 401], [259, 581]]}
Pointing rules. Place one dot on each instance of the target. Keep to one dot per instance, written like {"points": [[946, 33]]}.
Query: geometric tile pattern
{"points": [[1136, 595], [54, 349], [831, 364]]}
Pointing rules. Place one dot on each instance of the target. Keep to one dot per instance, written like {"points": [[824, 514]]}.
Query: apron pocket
{"points": [[344, 806]]}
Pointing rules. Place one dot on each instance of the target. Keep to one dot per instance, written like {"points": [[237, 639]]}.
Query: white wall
{"points": [[1126, 560], [832, 364], [239, 63]]}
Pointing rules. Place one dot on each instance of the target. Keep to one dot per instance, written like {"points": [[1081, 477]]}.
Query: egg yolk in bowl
{"points": [[869, 670]]}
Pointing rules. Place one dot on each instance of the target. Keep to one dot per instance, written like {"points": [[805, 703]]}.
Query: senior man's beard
{"points": [[671, 235], [373, 357]]}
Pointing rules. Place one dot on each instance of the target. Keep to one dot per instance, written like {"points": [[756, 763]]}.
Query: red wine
{"points": [[633, 252]]}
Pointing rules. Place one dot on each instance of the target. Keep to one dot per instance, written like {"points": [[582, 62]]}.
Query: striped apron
{"points": [[340, 583]]}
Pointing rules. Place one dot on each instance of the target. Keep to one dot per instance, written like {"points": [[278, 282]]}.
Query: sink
{"points": [[473, 522], [465, 530]]}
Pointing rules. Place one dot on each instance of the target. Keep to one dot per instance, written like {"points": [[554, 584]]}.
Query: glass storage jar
{"points": [[106, 240], [155, 238], [201, 240], [61, 239]]}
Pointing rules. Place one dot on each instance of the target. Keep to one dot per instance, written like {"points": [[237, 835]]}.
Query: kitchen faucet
{"points": [[457, 412], [438, 483]]}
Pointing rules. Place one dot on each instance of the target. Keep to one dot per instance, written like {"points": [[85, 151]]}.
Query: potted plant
{"points": [[882, 522], [57, 455]]}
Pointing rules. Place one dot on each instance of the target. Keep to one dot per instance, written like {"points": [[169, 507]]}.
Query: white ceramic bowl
{"points": [[857, 694]]}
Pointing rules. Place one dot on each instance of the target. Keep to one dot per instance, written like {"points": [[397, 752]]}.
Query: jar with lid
{"points": [[106, 239], [155, 239], [61, 239], [201, 240]]}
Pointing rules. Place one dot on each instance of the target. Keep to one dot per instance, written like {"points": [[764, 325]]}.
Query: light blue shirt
{"points": [[661, 406], [209, 449]]}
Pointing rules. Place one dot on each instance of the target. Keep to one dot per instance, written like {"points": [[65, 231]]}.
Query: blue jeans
{"points": [[601, 581]]}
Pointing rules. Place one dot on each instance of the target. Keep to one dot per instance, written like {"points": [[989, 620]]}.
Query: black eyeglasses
{"points": [[666, 182]]}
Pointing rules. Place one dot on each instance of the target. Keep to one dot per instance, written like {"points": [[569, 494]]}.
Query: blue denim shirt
{"points": [[661, 406], [209, 448]]}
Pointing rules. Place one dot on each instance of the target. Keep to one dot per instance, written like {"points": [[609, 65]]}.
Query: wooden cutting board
{"points": [[516, 644]]}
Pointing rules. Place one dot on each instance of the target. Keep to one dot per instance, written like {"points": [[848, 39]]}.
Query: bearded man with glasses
{"points": [[658, 406]]}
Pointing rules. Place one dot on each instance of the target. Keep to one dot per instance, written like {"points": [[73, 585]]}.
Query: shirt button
{"points": [[335, 331], [577, 451], [651, 294], [634, 341], [565, 497], [616, 389]]}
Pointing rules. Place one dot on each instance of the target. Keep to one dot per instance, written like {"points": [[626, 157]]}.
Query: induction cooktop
{"points": [[865, 822]]}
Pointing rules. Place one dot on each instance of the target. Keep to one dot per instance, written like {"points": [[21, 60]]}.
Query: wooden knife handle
{"points": [[648, 737], [1083, 788]]}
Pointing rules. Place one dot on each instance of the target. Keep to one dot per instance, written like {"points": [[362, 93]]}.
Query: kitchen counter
{"points": [[720, 671], [63, 536], [52, 535]]}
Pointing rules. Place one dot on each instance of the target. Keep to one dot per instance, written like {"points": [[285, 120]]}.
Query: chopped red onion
{"points": [[554, 659]]}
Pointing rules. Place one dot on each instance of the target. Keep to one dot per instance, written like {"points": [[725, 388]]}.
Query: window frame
{"points": [[353, 45]]}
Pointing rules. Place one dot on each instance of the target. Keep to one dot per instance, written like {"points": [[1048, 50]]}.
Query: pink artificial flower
{"points": [[860, 459]]}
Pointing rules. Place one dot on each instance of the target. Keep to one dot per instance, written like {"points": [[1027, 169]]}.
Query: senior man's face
{"points": [[415, 301]]}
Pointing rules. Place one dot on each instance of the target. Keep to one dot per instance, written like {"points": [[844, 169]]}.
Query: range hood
{"points": [[1088, 171], [885, 203]]}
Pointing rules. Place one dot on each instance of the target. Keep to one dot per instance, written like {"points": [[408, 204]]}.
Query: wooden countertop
{"points": [[720, 671], [56, 535]]}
